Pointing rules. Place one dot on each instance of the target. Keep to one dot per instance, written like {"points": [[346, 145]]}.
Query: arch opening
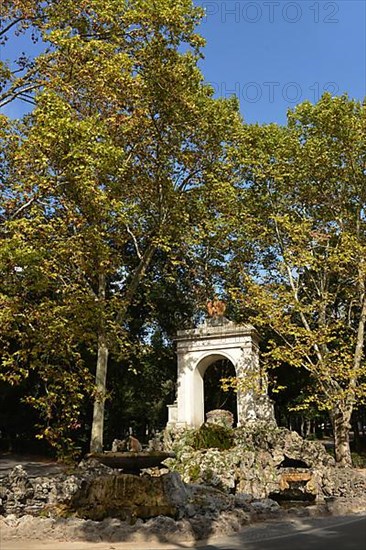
{"points": [[214, 395]]}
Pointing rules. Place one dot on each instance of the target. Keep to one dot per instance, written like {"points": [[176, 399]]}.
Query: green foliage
{"points": [[194, 472], [129, 194], [302, 280], [102, 202], [210, 436]]}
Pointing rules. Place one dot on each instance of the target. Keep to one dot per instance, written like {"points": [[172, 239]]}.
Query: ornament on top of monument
{"points": [[216, 309]]}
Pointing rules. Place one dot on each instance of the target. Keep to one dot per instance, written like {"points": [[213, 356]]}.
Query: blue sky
{"points": [[276, 53]]}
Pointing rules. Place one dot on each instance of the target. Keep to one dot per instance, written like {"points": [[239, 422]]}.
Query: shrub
{"points": [[212, 436]]}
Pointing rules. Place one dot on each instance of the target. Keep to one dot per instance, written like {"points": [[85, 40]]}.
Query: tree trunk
{"points": [[341, 427], [96, 441]]}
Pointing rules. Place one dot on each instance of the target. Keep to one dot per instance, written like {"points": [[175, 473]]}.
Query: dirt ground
{"points": [[58, 545], [34, 465], [334, 532]]}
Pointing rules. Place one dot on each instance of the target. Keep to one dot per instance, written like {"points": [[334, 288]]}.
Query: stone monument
{"points": [[217, 338]]}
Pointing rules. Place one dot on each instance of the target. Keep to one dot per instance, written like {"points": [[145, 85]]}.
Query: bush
{"points": [[212, 436]]}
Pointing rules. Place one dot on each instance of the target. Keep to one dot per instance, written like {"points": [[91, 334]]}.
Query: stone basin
{"points": [[132, 462], [296, 484]]}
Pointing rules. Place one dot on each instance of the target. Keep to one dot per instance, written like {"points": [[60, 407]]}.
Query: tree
{"points": [[108, 169], [304, 213]]}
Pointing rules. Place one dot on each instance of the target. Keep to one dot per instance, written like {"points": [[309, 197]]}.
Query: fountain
{"points": [[132, 462], [127, 489]]}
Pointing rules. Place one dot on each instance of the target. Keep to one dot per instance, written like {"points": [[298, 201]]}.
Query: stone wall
{"points": [[263, 465], [266, 461], [92, 491], [21, 494], [94, 502]]}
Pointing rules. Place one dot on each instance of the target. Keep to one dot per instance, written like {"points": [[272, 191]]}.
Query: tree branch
{"points": [[138, 253], [8, 27], [10, 96], [295, 292], [23, 207]]}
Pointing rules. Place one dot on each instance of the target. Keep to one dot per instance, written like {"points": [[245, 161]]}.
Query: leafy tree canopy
{"points": [[303, 277]]}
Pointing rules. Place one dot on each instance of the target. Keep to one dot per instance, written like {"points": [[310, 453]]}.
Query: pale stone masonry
{"points": [[216, 339]]}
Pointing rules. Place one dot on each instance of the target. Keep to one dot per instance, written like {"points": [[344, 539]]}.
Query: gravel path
{"points": [[266, 531], [35, 466]]}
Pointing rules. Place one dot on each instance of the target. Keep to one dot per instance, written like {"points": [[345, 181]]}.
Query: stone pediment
{"points": [[219, 328]]}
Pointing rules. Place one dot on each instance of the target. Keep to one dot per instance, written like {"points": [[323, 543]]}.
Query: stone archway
{"points": [[198, 348], [195, 393], [214, 397]]}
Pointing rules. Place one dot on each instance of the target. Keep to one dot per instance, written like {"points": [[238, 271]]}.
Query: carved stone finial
{"points": [[216, 308]]}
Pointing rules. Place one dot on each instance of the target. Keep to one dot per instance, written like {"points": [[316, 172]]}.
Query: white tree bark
{"points": [[96, 441]]}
